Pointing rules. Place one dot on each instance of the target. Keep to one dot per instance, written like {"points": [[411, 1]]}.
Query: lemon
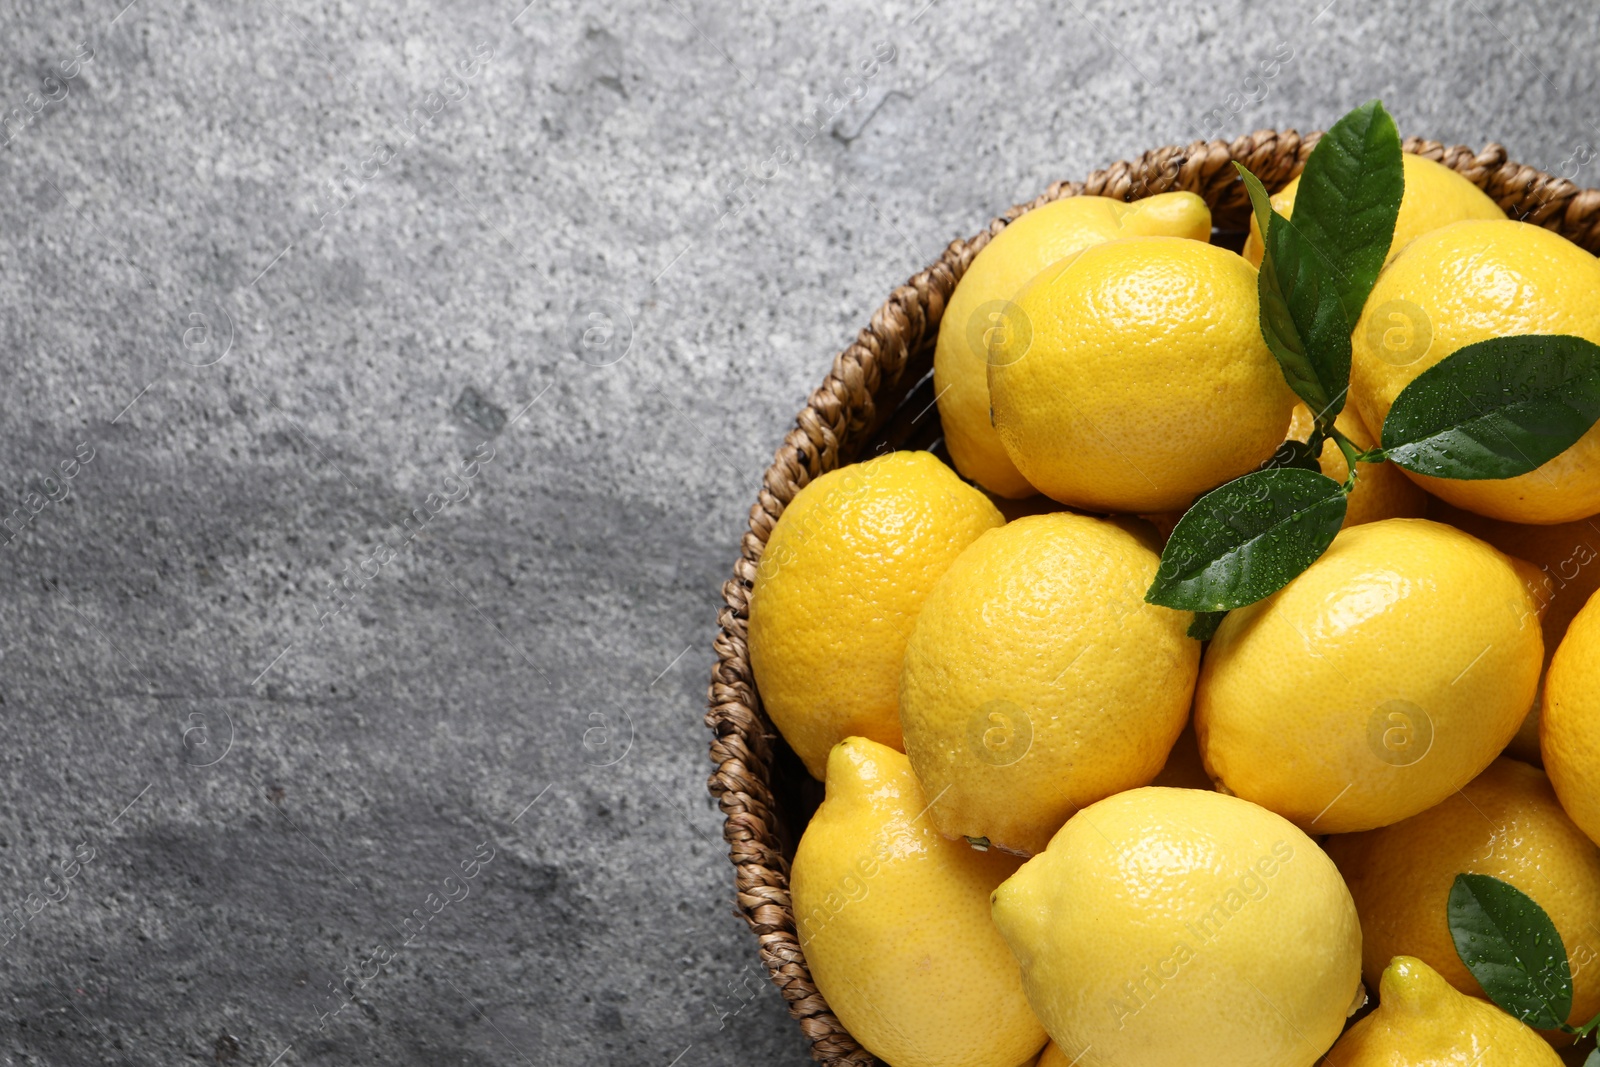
{"points": [[1037, 680], [845, 572], [1168, 926], [1382, 491], [1422, 1021], [1435, 196], [1374, 684], [894, 923], [1505, 823], [1465, 283], [1139, 378], [978, 315], [1569, 735], [1567, 558]]}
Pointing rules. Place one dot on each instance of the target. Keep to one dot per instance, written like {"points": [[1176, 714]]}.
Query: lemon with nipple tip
{"points": [[893, 919], [1422, 1022]]}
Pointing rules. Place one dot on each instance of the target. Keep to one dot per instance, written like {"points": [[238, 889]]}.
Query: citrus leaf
{"points": [[1593, 1059], [1260, 199], [1302, 319], [1349, 198], [1247, 539], [1496, 409], [1512, 949], [1204, 626]]}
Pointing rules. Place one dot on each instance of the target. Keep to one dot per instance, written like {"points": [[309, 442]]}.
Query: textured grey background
{"points": [[227, 804]]}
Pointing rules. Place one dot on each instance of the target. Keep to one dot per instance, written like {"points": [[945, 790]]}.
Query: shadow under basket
{"points": [[879, 397]]}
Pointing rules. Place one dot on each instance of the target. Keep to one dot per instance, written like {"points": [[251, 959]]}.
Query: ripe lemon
{"points": [[1435, 196], [1382, 491], [1465, 283], [1037, 680], [1140, 379], [1422, 1021], [894, 923], [1375, 683], [1505, 823], [1567, 558], [845, 572], [978, 315], [1168, 926], [1569, 734]]}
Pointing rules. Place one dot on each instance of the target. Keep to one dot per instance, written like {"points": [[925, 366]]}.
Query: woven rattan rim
{"points": [[843, 412]]}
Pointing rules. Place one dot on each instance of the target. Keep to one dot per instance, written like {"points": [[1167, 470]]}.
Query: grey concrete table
{"points": [[384, 389]]}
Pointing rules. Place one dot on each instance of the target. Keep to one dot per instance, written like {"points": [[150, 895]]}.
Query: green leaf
{"points": [[1260, 199], [1302, 319], [1512, 949], [1204, 626], [1247, 539], [1593, 1059], [1496, 409], [1349, 197]]}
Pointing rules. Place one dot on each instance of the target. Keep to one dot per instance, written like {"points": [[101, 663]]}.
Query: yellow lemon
{"points": [[1435, 196], [1374, 684], [894, 923], [979, 315], [1465, 283], [1569, 734], [1037, 679], [1138, 378], [1382, 491], [1422, 1021], [845, 572], [1567, 558], [1505, 823], [1168, 926]]}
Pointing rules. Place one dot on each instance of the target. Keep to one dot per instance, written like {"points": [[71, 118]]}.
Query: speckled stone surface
{"points": [[385, 386]]}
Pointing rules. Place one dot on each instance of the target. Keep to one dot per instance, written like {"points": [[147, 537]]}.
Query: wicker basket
{"points": [[879, 396]]}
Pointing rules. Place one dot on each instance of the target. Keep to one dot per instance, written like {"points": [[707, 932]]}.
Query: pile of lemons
{"points": [[1059, 829]]}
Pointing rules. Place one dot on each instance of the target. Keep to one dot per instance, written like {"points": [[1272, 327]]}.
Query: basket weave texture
{"points": [[754, 780]]}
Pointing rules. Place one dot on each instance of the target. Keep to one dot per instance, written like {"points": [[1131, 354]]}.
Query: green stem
{"points": [[1352, 455], [1583, 1031]]}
